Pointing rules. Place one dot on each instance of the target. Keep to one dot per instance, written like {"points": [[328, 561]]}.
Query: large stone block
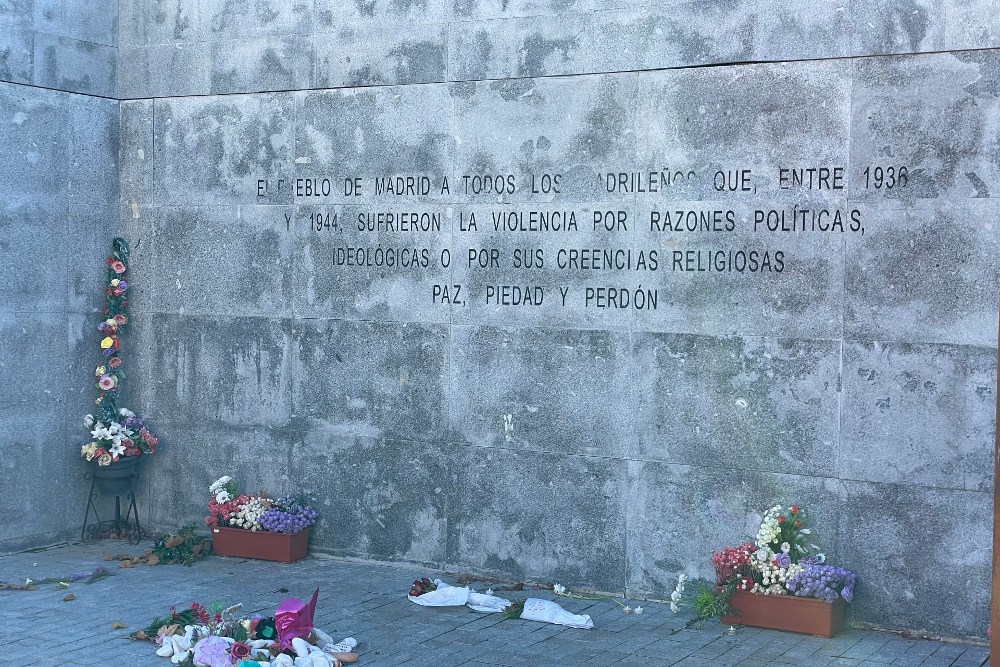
{"points": [[257, 458], [930, 115], [924, 273], [679, 34], [568, 391], [257, 64], [214, 151], [395, 492], [763, 404], [546, 265], [971, 25], [75, 66], [93, 171], [678, 515], [521, 47], [375, 133], [518, 128], [235, 371], [158, 22], [886, 27], [221, 260], [164, 70], [379, 273], [36, 159], [720, 122], [723, 268], [381, 53], [371, 380], [135, 157], [918, 551], [87, 241], [33, 239], [919, 414], [86, 20], [538, 516], [227, 19], [17, 47]]}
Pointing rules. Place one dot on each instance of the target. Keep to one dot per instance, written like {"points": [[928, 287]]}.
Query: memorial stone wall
{"points": [[572, 291], [59, 196]]}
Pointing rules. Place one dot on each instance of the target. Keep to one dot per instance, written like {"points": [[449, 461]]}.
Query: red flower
{"points": [[781, 519], [115, 362], [795, 508], [120, 319]]}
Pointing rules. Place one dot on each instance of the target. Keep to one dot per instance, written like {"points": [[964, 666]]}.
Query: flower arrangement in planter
{"points": [[257, 526], [118, 434], [780, 580]]}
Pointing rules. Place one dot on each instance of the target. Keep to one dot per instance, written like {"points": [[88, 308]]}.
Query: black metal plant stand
{"points": [[122, 485]]}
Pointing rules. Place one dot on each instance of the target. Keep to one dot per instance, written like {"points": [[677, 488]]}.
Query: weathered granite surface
{"points": [[68, 46], [58, 213], [513, 287]]}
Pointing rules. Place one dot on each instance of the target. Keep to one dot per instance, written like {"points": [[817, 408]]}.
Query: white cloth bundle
{"points": [[547, 611], [455, 596]]}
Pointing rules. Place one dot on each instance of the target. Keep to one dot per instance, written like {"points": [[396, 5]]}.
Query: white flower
{"points": [[675, 596], [117, 449], [222, 497], [100, 433], [126, 413], [821, 557], [559, 589], [115, 428], [674, 608], [88, 421], [805, 531], [219, 483], [637, 610], [626, 609], [785, 547]]}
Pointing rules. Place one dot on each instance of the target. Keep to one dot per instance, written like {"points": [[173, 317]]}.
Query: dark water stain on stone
{"points": [[365, 7], [512, 89], [605, 124], [419, 62], [363, 76], [465, 7], [535, 49], [914, 20], [480, 56], [981, 189]]}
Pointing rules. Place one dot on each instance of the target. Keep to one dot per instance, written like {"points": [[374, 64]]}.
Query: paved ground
{"points": [[368, 602]]}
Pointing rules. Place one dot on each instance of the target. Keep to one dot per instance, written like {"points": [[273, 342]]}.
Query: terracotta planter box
{"points": [[787, 612], [281, 547]]}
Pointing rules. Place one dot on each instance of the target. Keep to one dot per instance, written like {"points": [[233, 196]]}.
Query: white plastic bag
{"points": [[455, 596], [547, 611], [444, 596]]}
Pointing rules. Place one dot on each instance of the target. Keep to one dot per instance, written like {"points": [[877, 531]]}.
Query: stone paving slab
{"points": [[367, 601]]}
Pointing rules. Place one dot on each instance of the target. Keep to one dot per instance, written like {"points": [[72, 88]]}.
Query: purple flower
{"points": [[108, 352], [783, 560], [122, 285], [102, 326]]}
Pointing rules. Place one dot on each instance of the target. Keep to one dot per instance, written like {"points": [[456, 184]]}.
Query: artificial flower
{"points": [[107, 383], [785, 547], [88, 421], [105, 459], [120, 319], [107, 342], [114, 282], [239, 650], [117, 450], [117, 266], [213, 651], [115, 362], [101, 370]]}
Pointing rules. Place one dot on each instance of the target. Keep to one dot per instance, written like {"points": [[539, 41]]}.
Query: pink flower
{"points": [[239, 650], [107, 383], [212, 651], [117, 266]]}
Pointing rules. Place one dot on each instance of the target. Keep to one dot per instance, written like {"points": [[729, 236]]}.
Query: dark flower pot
{"points": [[117, 478], [281, 547]]}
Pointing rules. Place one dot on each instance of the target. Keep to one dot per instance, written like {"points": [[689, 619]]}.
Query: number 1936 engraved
{"points": [[885, 178]]}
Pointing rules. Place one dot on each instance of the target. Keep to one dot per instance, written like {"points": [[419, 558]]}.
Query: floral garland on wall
{"points": [[117, 432]]}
